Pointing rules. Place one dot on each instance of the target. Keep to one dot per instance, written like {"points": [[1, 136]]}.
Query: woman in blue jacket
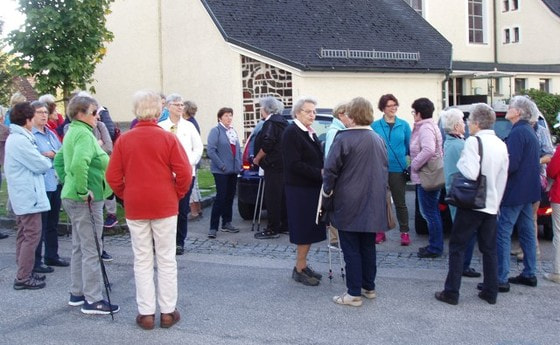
{"points": [[396, 135], [225, 155]]}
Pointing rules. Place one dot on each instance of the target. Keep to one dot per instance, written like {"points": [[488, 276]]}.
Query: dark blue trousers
{"points": [[223, 203], [49, 235], [183, 217], [360, 258], [466, 224]]}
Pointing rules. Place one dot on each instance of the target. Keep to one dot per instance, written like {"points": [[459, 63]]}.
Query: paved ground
{"points": [[237, 290]]}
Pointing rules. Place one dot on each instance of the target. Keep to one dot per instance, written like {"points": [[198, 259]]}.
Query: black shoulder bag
{"points": [[465, 193]]}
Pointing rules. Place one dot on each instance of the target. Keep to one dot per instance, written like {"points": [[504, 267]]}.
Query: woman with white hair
{"points": [[454, 127], [151, 208]]}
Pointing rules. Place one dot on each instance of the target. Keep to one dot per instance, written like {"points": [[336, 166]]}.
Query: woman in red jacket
{"points": [[141, 157], [553, 171]]}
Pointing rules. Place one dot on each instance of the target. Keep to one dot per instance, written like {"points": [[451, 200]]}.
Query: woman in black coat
{"points": [[303, 164]]}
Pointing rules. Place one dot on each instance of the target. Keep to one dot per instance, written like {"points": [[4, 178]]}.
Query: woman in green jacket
{"points": [[80, 165]]}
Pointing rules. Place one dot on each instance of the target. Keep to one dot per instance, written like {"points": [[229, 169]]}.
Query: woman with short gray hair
{"points": [[454, 127]]}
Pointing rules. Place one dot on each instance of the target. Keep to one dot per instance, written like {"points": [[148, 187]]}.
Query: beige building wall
{"points": [[539, 31], [332, 88], [450, 18]]}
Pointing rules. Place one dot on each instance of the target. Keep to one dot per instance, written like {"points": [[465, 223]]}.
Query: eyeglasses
{"points": [[309, 112], [180, 105], [41, 112], [413, 112], [173, 129]]}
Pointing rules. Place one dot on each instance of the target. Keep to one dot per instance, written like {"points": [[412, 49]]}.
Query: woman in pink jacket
{"points": [[553, 171], [426, 144]]}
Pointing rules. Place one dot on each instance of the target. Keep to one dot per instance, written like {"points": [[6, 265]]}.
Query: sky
{"points": [[11, 17]]}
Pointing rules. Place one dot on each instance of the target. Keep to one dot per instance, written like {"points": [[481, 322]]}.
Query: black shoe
{"points": [[501, 287], [284, 231], [106, 257], [30, 284], [3, 236], [179, 250], [267, 234], [427, 254], [521, 280], [310, 272], [441, 296], [39, 277], [43, 269], [490, 300], [304, 278], [57, 262], [471, 273]]}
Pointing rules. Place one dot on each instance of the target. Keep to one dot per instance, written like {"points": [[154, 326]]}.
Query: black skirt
{"points": [[301, 204]]}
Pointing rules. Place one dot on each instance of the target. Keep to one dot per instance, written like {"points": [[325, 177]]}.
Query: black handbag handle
{"points": [[480, 154]]}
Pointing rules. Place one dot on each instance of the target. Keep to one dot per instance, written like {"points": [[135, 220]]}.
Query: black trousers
{"points": [[275, 200], [466, 223]]}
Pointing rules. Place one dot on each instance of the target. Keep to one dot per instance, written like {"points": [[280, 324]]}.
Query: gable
{"points": [[334, 35]]}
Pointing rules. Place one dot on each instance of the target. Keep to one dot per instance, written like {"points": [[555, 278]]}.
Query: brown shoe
{"points": [[169, 319], [145, 321]]}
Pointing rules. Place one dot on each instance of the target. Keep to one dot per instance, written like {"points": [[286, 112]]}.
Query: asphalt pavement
{"points": [[238, 290]]}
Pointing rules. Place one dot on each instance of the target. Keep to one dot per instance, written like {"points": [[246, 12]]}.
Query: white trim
{"points": [[262, 58]]}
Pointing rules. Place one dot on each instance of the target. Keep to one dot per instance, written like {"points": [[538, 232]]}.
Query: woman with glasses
{"points": [[191, 142], [395, 132]]}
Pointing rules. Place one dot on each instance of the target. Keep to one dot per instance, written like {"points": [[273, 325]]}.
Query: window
{"points": [[506, 5], [544, 85], [476, 20], [520, 85], [506, 36], [514, 5], [497, 86], [416, 5], [515, 35]]}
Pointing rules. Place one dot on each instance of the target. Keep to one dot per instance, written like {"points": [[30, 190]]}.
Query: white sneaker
{"points": [[553, 277], [347, 299], [369, 294]]}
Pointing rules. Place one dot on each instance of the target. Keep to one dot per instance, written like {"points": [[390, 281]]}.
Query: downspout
{"points": [[160, 47], [495, 33]]}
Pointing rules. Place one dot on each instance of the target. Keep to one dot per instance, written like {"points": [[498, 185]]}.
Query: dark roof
{"points": [[294, 31], [553, 5], [24, 86], [505, 67]]}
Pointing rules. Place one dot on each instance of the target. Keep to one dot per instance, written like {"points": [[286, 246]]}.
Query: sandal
{"points": [[347, 299]]}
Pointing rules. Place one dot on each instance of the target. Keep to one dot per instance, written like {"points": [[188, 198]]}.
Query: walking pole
{"points": [[101, 263], [256, 204], [261, 205]]}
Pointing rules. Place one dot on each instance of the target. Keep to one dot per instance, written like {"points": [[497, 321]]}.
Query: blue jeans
{"points": [[522, 215], [223, 203], [358, 249], [183, 217], [429, 209]]}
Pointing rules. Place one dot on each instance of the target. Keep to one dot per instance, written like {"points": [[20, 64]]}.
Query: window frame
{"points": [[476, 31]]}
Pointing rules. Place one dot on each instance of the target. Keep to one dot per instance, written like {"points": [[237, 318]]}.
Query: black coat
{"points": [[269, 140], [303, 158]]}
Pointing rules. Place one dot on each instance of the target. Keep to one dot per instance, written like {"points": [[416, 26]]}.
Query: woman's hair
{"points": [[224, 110], [146, 105], [38, 104], [21, 112], [340, 108], [50, 101], [483, 116], [174, 97], [271, 105], [385, 99], [423, 106], [527, 108], [450, 118], [17, 98], [190, 108], [361, 111], [80, 104], [298, 105]]}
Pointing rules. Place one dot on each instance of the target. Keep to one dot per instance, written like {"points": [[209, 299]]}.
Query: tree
{"points": [[61, 42], [6, 77], [548, 104]]}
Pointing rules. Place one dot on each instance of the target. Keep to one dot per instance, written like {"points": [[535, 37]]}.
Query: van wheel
{"points": [[246, 211]]}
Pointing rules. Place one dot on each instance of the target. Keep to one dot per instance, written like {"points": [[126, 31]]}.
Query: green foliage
{"points": [[549, 105], [6, 76], [61, 42]]}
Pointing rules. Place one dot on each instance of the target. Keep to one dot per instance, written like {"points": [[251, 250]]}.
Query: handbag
{"points": [[390, 218], [465, 193], [431, 174]]}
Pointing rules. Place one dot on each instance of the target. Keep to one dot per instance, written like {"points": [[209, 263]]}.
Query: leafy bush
{"points": [[549, 105]]}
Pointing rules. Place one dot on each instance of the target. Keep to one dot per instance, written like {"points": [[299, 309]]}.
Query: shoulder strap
{"points": [[480, 154]]}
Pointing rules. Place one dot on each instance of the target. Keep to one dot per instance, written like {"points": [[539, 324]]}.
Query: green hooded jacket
{"points": [[81, 163]]}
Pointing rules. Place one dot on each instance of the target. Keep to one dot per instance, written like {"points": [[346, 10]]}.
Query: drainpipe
{"points": [[495, 32], [160, 47]]}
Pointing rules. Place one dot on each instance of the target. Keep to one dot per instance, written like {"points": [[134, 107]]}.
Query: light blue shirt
{"points": [[46, 142]]}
